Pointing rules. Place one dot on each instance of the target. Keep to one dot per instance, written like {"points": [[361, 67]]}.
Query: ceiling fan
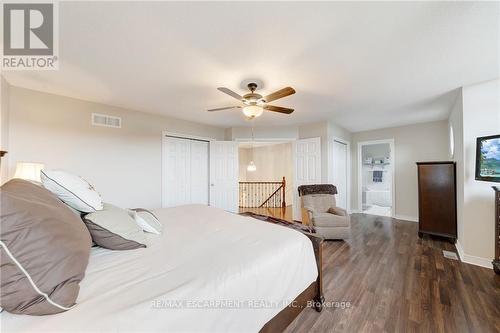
{"points": [[254, 104]]}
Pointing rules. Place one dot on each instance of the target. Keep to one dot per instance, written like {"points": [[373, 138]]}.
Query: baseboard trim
{"points": [[406, 218], [473, 260]]}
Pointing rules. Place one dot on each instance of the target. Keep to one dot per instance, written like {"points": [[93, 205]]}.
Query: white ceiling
{"points": [[362, 65]]}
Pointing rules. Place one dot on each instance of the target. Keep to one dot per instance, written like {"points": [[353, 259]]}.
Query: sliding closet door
{"points": [[199, 172], [185, 172], [177, 172]]}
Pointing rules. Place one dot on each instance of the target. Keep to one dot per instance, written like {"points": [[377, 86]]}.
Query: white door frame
{"points": [[360, 174], [330, 167], [165, 134]]}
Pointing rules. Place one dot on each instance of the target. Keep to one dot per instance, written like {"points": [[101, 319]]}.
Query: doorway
{"points": [[266, 178], [376, 177], [304, 162]]}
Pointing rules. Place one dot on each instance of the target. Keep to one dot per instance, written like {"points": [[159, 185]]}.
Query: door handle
{"points": [[212, 185]]}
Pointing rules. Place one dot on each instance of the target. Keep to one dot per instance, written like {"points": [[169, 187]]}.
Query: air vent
{"points": [[106, 121]]}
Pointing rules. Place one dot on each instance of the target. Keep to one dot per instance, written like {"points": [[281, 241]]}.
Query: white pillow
{"points": [[146, 220], [72, 190]]}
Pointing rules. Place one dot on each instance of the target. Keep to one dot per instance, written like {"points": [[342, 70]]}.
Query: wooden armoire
{"points": [[437, 199]]}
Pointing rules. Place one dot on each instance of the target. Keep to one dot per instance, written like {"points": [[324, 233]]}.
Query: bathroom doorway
{"points": [[376, 177]]}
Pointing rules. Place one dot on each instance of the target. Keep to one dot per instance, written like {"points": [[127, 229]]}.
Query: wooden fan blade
{"points": [[278, 109], [230, 93], [225, 108], [279, 94]]}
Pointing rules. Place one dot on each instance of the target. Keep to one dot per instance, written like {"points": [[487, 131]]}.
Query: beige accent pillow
{"points": [[114, 229], [336, 211], [45, 250]]}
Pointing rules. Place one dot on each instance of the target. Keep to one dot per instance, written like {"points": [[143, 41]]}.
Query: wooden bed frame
{"points": [[312, 293]]}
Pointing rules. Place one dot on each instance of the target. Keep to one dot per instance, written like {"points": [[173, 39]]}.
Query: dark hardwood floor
{"points": [[284, 213], [396, 282]]}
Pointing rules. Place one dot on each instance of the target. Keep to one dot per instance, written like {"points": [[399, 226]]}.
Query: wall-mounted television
{"points": [[488, 158]]}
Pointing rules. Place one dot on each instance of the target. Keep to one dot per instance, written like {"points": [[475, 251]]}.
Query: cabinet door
{"points": [[437, 203]]}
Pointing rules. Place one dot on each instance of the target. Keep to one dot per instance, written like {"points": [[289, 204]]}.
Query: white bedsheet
{"points": [[204, 254]]}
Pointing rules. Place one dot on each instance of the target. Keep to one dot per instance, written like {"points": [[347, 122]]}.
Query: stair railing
{"points": [[262, 194]]}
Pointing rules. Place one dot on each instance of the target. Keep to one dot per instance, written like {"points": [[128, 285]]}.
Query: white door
{"points": [[199, 172], [307, 169], [185, 170], [340, 168], [224, 174]]}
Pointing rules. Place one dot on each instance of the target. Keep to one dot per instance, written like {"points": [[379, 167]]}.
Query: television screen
{"points": [[488, 158]]}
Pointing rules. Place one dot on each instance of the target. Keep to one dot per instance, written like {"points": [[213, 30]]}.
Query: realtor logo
{"points": [[29, 39]]}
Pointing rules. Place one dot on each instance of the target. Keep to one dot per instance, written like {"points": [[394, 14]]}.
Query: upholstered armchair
{"points": [[330, 221]]}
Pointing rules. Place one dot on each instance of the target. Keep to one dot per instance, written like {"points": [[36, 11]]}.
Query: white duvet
{"points": [[209, 271]]}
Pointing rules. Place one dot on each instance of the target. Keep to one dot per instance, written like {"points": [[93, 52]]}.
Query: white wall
{"points": [[4, 126], [262, 132], [273, 162], [481, 117], [123, 164], [413, 143], [336, 131]]}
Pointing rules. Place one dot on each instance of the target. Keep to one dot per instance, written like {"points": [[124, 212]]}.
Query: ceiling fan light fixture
{"points": [[253, 111], [253, 104]]}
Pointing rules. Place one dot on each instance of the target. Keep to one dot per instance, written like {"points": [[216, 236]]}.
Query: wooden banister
{"points": [[283, 202]]}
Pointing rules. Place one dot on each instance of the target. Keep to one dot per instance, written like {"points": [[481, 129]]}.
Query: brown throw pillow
{"points": [[336, 211], [45, 250]]}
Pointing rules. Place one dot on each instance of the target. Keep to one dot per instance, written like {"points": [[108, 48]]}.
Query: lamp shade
{"points": [[28, 171], [253, 111]]}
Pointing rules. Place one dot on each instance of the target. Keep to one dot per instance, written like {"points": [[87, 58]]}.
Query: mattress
{"points": [[209, 271]]}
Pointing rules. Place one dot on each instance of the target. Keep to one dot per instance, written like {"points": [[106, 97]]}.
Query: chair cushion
{"points": [[319, 203], [337, 211], [330, 220]]}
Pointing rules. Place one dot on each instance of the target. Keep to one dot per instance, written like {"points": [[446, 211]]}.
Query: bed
{"points": [[209, 271]]}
